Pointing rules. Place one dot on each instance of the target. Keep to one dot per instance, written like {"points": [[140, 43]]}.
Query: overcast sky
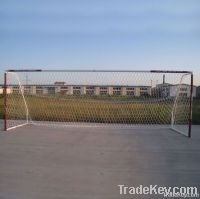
{"points": [[100, 34]]}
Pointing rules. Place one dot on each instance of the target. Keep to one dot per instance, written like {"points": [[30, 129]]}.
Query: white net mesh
{"points": [[17, 110], [136, 99]]}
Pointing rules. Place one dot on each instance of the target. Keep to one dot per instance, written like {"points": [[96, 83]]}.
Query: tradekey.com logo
{"points": [[168, 192]]}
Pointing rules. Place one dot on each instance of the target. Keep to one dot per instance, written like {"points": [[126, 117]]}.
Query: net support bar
{"points": [[14, 127]]}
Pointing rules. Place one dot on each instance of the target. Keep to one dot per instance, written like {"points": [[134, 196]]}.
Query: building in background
{"points": [[9, 90], [198, 91], [160, 90], [63, 89], [172, 90]]}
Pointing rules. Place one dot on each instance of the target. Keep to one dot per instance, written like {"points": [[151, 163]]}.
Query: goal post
{"points": [[190, 105], [5, 102], [120, 98]]}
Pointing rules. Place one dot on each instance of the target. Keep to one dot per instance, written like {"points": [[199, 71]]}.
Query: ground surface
{"points": [[89, 163]]}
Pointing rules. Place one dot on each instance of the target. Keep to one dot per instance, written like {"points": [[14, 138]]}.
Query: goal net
{"points": [[149, 99]]}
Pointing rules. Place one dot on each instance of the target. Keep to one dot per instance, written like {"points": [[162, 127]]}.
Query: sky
{"points": [[100, 34]]}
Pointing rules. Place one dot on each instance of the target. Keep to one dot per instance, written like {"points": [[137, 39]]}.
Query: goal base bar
{"points": [[180, 132], [14, 127]]}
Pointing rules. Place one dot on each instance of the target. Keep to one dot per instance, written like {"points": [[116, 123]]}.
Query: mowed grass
{"points": [[96, 109]]}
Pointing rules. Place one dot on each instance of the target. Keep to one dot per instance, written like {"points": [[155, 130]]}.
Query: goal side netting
{"points": [[149, 99]]}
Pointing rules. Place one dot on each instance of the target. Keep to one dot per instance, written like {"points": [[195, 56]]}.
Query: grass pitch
{"points": [[98, 109]]}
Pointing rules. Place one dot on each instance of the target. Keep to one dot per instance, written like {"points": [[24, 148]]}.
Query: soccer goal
{"points": [[136, 99]]}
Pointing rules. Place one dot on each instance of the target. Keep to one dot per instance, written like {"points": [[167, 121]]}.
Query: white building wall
{"points": [[70, 90], [97, 90], [33, 90], [123, 91], [22, 89], [137, 91], [149, 90], [110, 90], [45, 90], [174, 89], [8, 91], [83, 90]]}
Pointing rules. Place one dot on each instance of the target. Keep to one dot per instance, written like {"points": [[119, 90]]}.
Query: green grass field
{"points": [[114, 109]]}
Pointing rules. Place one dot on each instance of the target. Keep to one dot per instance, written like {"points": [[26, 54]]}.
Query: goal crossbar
{"points": [[90, 70]]}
